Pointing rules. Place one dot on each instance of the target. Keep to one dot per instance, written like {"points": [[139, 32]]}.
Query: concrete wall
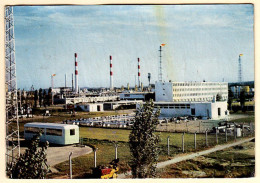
{"points": [[163, 92]]}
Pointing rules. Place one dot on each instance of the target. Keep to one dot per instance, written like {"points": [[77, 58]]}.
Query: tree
{"points": [[218, 97], [32, 164], [40, 97], [49, 97], [230, 99], [35, 98], [242, 99], [44, 98], [143, 142]]}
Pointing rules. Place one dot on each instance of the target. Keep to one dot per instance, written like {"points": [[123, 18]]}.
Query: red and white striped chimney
{"points": [[139, 82], [76, 74], [111, 74]]}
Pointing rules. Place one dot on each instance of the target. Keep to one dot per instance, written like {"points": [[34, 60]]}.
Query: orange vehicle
{"points": [[107, 172]]}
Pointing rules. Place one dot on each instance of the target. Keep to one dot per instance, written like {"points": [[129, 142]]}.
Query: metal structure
{"points": [[111, 74], [12, 123], [149, 78], [76, 74], [139, 74], [239, 68], [160, 63]]}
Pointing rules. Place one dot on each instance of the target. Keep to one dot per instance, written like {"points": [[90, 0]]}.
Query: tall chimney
{"points": [[76, 74], [111, 74], [139, 82]]}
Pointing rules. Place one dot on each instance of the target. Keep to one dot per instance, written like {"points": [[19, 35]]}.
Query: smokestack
{"points": [[111, 74], [139, 82], [76, 74]]}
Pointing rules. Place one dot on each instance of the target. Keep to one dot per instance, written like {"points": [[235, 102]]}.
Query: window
{"points": [[72, 131], [54, 132], [32, 130], [219, 111]]}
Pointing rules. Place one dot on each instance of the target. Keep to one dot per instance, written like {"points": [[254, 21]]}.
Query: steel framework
{"points": [[160, 65], [12, 123]]}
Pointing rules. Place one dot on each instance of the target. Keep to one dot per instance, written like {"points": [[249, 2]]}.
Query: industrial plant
{"points": [[74, 116]]}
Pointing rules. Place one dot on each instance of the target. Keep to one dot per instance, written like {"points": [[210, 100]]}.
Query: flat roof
{"points": [[52, 125]]}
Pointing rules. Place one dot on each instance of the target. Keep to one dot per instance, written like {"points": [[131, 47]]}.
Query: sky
{"points": [[203, 42]]}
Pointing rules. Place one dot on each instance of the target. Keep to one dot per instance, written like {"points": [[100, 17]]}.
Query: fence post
{"points": [[235, 133], [216, 136], [187, 126], [250, 126], [168, 144], [226, 133], [116, 151], [243, 129], [183, 141], [195, 143], [206, 137], [199, 126], [70, 165], [95, 157]]}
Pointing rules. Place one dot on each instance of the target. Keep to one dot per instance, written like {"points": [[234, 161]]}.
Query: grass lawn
{"points": [[249, 103], [103, 140], [246, 120]]}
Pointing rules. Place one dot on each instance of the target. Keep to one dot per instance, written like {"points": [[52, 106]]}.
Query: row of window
{"points": [[196, 99], [197, 84], [53, 132], [196, 94], [176, 106], [197, 89]]}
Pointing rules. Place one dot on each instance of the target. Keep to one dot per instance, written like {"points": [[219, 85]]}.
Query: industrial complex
{"points": [[182, 101]]}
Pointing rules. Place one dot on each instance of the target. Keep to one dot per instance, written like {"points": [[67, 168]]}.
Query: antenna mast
{"points": [[12, 124]]}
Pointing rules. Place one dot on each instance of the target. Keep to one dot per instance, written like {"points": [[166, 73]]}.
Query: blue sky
{"points": [[202, 42]]}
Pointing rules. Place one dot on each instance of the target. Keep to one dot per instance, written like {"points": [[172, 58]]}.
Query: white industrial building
{"points": [[192, 99], [190, 91]]}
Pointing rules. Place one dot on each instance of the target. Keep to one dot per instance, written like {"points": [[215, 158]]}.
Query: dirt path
{"points": [[194, 155]]}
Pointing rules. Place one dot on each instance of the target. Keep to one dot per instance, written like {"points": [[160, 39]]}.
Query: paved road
{"points": [[60, 154], [194, 155]]}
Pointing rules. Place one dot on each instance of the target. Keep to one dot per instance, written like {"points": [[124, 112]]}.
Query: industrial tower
{"points": [[12, 123], [160, 63], [239, 68]]}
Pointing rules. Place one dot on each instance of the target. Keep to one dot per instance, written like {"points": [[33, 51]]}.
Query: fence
{"points": [[170, 145]]}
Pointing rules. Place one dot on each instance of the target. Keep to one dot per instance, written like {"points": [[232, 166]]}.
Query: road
{"points": [[184, 157]]}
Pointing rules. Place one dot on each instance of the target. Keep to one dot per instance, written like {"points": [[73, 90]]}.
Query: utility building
{"points": [[202, 99]]}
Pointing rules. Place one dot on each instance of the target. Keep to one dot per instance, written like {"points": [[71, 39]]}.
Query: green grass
{"points": [[105, 154], [249, 103], [249, 119], [103, 140]]}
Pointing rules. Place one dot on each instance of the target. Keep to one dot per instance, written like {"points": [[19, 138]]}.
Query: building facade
{"points": [[190, 91]]}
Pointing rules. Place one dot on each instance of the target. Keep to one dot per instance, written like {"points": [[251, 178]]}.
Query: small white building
{"points": [[62, 134], [90, 107]]}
